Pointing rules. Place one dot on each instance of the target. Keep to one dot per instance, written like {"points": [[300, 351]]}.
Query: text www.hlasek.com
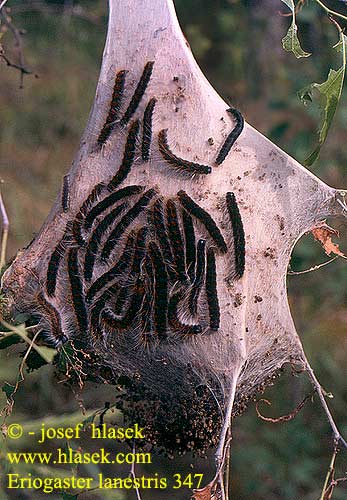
{"points": [[69, 456]]}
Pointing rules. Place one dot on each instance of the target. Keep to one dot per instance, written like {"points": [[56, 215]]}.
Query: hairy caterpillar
{"points": [[199, 213], [234, 134], [116, 101], [238, 234], [138, 93], [176, 162], [147, 129]]}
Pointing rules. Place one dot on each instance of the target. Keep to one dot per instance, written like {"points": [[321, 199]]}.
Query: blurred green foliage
{"points": [[238, 45]]}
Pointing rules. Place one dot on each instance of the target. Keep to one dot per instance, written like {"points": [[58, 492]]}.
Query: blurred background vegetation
{"points": [[238, 45]]}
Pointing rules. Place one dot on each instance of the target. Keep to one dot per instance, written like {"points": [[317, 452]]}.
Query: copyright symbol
{"points": [[14, 431]]}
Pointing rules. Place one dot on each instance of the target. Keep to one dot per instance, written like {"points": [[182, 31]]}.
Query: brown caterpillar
{"points": [[138, 93], [186, 166], [176, 325], [175, 238], [95, 240], [108, 202], [160, 291], [147, 129], [125, 221], [199, 277], [128, 157], [116, 101], [157, 221], [65, 194], [124, 322], [234, 134], [196, 211], [55, 336], [84, 209], [54, 262], [211, 290], [77, 291], [189, 238], [119, 268], [238, 234]]}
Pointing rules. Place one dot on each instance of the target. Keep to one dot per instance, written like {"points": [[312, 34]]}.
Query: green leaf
{"points": [[329, 96], [291, 42]]}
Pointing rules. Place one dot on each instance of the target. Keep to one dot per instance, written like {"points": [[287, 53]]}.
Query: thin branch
{"points": [[10, 401], [4, 237], [132, 474], [314, 268], [330, 473], [321, 394], [17, 34], [331, 12]]}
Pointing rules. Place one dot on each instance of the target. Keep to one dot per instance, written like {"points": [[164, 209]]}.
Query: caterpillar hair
{"points": [[128, 157], [211, 290], [238, 234], [199, 213], [98, 306], [121, 266], [160, 305], [157, 222], [199, 277], [84, 208], [125, 221], [138, 93], [95, 240], [147, 129], [121, 300], [65, 194], [147, 309], [140, 251], [108, 202], [54, 262], [124, 322], [186, 166], [234, 134], [176, 240], [189, 238], [77, 291], [116, 101], [56, 336], [176, 325]]}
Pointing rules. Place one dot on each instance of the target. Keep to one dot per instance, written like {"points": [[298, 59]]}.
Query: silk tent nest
{"points": [[162, 264]]}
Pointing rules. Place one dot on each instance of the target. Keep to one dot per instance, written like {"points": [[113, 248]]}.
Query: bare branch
{"points": [[17, 35], [5, 228]]}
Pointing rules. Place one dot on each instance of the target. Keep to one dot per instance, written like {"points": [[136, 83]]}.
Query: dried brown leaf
{"points": [[324, 235], [203, 493]]}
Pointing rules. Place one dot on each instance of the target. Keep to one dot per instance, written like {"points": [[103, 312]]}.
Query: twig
{"points": [[331, 12], [19, 44], [225, 429], [337, 435], [133, 475], [20, 378], [227, 468], [23, 336], [5, 228], [330, 472], [314, 268], [283, 418]]}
